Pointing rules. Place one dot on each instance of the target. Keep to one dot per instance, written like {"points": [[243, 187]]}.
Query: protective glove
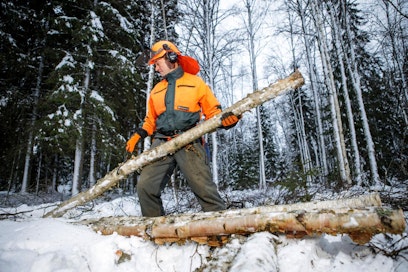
{"points": [[229, 120], [136, 137]]}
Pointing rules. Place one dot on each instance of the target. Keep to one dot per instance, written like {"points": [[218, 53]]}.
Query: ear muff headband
{"points": [[170, 55]]}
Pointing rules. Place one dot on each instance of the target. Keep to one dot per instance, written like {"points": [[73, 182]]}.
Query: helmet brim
{"points": [[156, 57]]}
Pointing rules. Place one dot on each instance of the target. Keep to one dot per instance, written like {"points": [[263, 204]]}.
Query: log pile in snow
{"points": [[360, 218]]}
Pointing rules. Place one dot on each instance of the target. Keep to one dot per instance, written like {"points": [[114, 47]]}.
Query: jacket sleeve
{"points": [[210, 106], [150, 120]]}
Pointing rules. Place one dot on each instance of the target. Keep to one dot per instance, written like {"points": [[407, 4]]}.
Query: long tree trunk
{"points": [[210, 9], [343, 164], [280, 87], [79, 144], [297, 107], [147, 142], [359, 221], [78, 162], [254, 76], [340, 55], [296, 104], [92, 179], [30, 140], [322, 159], [355, 77]]}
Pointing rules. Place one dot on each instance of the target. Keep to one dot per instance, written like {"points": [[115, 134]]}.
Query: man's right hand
{"points": [[131, 143]]}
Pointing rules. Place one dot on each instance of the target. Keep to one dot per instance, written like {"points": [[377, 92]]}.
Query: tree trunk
{"points": [[254, 99], [254, 76], [31, 129], [147, 142], [92, 151], [360, 218], [37, 180], [355, 79], [350, 117], [322, 158], [299, 120], [80, 141], [54, 174], [334, 103], [78, 164]]}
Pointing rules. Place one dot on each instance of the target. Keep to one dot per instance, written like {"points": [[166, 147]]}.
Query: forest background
{"points": [[74, 83]]}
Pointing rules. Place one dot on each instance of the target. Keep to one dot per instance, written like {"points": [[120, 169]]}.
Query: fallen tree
{"points": [[360, 218], [254, 99]]}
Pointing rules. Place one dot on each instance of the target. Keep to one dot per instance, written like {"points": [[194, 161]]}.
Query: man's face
{"points": [[163, 66]]}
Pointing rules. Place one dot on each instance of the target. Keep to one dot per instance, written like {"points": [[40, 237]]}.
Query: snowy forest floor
{"points": [[29, 242]]}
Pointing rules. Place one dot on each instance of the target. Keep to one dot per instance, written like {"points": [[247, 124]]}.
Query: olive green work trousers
{"points": [[193, 164]]}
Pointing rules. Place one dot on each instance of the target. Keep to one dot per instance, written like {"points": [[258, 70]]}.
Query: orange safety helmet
{"points": [[160, 48]]}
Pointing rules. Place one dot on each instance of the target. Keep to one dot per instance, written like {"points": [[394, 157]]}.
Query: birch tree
{"points": [[337, 40], [355, 78], [308, 39], [93, 149], [205, 42], [330, 84], [30, 140], [251, 27], [80, 141], [298, 108], [152, 40]]}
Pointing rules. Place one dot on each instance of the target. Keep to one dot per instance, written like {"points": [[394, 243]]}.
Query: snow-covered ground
{"points": [[29, 242]]}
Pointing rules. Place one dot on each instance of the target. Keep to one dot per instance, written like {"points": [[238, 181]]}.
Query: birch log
{"points": [[254, 99], [297, 220]]}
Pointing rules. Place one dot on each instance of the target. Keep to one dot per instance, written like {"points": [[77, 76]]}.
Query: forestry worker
{"points": [[175, 105]]}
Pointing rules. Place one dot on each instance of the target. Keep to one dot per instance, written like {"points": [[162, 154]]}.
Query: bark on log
{"points": [[254, 99], [360, 223]]}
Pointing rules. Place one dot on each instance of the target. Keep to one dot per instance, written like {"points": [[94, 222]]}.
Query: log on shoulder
{"points": [[349, 217], [293, 81]]}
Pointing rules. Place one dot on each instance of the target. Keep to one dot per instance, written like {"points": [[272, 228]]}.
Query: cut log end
{"points": [[361, 237]]}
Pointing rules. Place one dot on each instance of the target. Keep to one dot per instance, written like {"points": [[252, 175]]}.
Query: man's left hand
{"points": [[229, 120]]}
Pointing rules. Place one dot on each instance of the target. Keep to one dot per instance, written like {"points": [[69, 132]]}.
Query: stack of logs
{"points": [[360, 218]]}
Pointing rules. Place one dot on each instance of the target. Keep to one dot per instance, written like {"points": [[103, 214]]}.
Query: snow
{"points": [[69, 61], [29, 242]]}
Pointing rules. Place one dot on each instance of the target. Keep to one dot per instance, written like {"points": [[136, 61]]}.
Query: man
{"points": [[175, 105]]}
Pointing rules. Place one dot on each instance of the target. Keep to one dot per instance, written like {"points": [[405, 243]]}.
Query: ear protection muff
{"points": [[170, 55]]}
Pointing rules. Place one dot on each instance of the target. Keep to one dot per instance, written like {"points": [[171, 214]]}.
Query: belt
{"points": [[171, 133], [168, 137]]}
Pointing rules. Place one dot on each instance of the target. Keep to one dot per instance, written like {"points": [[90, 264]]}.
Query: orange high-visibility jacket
{"points": [[177, 103]]}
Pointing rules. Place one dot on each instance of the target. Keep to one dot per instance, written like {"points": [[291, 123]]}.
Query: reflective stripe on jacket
{"points": [[177, 103]]}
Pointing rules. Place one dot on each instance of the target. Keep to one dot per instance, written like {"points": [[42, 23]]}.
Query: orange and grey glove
{"points": [[136, 137], [229, 120]]}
